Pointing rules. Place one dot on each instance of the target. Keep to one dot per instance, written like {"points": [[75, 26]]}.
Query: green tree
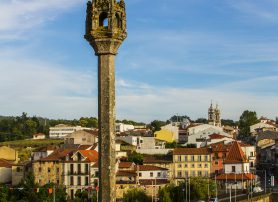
{"points": [[156, 125], [136, 158], [136, 195], [201, 120], [4, 191], [247, 119]]}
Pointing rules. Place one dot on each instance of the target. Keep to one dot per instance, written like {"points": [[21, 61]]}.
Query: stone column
{"points": [[106, 118]]}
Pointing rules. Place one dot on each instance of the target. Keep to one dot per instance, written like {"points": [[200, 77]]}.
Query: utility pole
{"points": [[105, 31], [54, 197]]}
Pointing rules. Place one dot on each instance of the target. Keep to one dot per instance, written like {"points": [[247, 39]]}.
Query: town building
{"points": [[82, 137], [9, 154], [62, 130], [191, 162], [42, 152], [39, 136], [5, 171], [121, 127], [236, 169]]}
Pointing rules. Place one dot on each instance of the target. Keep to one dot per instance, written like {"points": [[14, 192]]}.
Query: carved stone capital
{"points": [[105, 46]]}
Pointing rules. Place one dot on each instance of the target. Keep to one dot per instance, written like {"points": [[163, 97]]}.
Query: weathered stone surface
{"points": [[105, 31]]}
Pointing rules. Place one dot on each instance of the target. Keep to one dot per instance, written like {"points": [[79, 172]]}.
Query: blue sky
{"points": [[179, 55]]}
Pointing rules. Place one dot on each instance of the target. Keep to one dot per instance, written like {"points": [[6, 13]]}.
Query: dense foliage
{"points": [[23, 127], [136, 195], [136, 158], [198, 190], [28, 190]]}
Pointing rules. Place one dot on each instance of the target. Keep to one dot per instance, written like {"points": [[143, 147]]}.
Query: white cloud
{"points": [[17, 16]]}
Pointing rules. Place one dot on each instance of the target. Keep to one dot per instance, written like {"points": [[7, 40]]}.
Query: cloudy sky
{"points": [[179, 55]]}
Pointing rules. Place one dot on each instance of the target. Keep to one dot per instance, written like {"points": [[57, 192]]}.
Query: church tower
{"points": [[214, 115], [105, 31]]}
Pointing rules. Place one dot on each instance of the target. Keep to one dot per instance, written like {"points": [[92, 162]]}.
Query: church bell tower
{"points": [[105, 31]]}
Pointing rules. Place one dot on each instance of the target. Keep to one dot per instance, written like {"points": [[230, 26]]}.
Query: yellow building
{"points": [[191, 162], [165, 135], [8, 154]]}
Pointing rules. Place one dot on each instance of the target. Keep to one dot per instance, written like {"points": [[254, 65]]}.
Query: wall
{"points": [[5, 175]]}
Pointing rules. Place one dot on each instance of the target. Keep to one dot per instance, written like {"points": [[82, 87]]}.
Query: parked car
{"points": [[257, 190]]}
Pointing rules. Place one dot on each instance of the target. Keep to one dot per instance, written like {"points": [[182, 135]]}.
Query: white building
{"points": [[121, 127], [39, 136], [236, 168], [262, 126], [148, 172], [5, 171], [43, 152], [199, 134], [82, 137], [60, 131]]}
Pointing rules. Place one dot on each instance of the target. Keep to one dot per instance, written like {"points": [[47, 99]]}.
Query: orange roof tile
{"points": [[235, 154], [125, 164], [91, 155], [5, 164], [191, 151], [126, 173], [216, 136], [237, 177], [150, 168], [58, 155]]}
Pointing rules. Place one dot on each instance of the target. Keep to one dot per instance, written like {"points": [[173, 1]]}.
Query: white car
{"points": [[257, 190]]}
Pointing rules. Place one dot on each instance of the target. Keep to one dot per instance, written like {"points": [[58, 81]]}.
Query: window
{"points": [[179, 174], [86, 168], [251, 164], [251, 153], [71, 168], [192, 173], [216, 163], [57, 170], [158, 174], [86, 181], [192, 158], [79, 180], [48, 170], [57, 181], [186, 173], [233, 169], [199, 165], [40, 169], [199, 173], [151, 174], [185, 158], [185, 165], [140, 174], [96, 174], [192, 165], [200, 158], [71, 180], [206, 173], [179, 165], [206, 158], [206, 165], [103, 20], [179, 158], [79, 168], [18, 169]]}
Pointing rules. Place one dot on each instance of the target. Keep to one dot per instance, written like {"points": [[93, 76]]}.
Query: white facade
{"points": [[153, 174], [39, 136], [236, 168], [199, 128], [143, 142], [260, 126], [199, 137], [60, 131], [250, 153], [41, 154], [121, 127], [5, 175], [82, 137]]}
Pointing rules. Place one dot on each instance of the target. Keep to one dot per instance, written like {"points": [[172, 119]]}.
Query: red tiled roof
{"points": [[150, 168], [125, 164], [216, 136], [58, 155], [237, 177], [126, 173], [191, 151], [153, 182], [235, 154], [91, 155], [5, 164], [85, 147], [219, 147]]}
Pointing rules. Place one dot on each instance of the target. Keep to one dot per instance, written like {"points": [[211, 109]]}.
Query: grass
{"points": [[31, 143]]}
